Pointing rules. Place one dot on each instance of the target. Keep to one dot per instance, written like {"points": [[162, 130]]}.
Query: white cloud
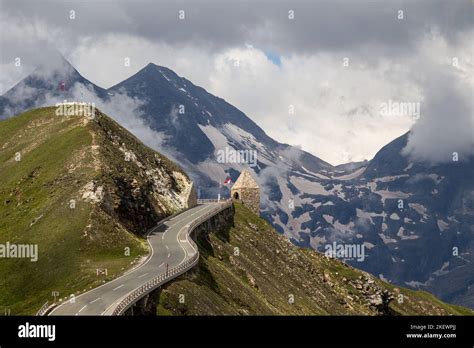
{"points": [[336, 109], [447, 122]]}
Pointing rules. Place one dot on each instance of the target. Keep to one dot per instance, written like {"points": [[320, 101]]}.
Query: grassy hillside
{"points": [[269, 271], [84, 191]]}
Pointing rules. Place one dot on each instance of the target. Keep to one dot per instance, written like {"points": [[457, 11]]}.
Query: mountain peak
{"points": [[152, 68], [55, 63], [53, 76]]}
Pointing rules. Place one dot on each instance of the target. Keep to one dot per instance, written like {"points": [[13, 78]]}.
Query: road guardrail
{"points": [[127, 301]]}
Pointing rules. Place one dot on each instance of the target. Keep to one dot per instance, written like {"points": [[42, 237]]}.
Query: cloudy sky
{"points": [[339, 78]]}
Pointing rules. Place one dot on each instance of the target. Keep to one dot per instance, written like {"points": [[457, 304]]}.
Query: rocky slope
{"points": [[85, 191], [414, 219], [246, 268], [427, 243]]}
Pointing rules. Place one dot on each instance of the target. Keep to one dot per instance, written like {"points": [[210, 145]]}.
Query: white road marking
{"points": [[144, 274], [161, 265], [184, 217], [167, 248], [97, 299], [118, 287]]}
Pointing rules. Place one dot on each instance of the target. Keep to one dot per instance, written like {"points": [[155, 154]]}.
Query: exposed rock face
{"points": [[247, 191], [378, 299], [190, 194], [140, 186]]}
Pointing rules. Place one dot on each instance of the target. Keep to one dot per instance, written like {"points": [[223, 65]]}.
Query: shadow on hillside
{"points": [[206, 250]]}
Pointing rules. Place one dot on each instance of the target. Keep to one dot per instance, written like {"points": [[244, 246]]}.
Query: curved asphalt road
{"points": [[169, 246]]}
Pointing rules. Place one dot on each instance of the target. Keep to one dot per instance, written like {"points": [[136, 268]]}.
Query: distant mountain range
{"points": [[414, 220], [85, 191]]}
